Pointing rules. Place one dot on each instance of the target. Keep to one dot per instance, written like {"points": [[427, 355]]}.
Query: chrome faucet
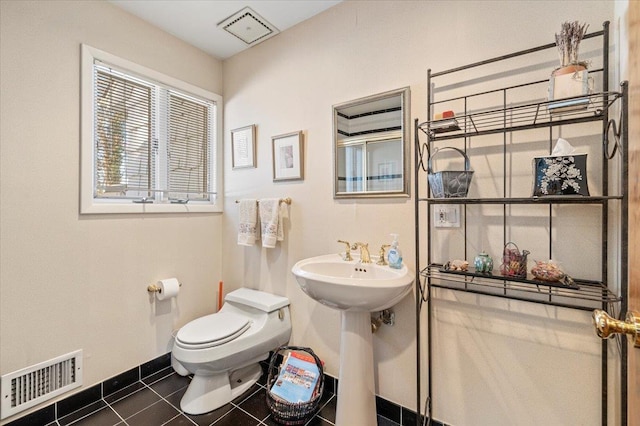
{"points": [[347, 253], [364, 251]]}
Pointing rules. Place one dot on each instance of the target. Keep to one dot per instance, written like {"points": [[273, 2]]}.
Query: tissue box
{"points": [[560, 175]]}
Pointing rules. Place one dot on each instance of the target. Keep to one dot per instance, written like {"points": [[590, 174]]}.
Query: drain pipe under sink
{"points": [[386, 316]]}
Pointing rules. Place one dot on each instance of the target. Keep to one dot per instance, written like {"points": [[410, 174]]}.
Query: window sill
{"points": [[139, 208]]}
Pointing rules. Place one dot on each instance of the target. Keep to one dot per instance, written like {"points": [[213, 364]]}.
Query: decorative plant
{"points": [[111, 118], [111, 140], [568, 40]]}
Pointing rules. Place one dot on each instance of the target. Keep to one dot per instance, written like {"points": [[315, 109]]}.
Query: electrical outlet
{"points": [[446, 216]]}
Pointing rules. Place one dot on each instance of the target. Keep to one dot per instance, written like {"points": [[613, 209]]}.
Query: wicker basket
{"points": [[514, 262], [290, 413], [449, 184]]}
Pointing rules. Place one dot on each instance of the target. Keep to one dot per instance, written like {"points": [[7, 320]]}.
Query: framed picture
{"points": [[243, 147], [287, 156]]}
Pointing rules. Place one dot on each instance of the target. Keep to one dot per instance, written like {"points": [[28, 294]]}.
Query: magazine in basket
{"points": [[297, 379]]}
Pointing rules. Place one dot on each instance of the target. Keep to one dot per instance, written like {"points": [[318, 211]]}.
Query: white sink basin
{"points": [[355, 289], [352, 286]]}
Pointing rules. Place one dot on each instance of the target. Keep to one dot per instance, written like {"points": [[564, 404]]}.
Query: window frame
{"points": [[92, 205]]}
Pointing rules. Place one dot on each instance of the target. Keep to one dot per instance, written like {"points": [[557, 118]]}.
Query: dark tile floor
{"points": [[155, 400]]}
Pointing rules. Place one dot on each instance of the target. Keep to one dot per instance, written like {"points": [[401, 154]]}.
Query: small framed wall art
{"points": [[287, 156], [243, 147]]}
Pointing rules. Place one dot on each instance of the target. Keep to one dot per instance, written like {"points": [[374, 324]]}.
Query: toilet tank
{"points": [[266, 302]]}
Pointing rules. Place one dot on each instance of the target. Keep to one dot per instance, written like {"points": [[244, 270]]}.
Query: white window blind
{"points": [[124, 134], [189, 147], [153, 142]]}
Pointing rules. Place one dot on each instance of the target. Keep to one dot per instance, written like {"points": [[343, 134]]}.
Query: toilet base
{"points": [[207, 393]]}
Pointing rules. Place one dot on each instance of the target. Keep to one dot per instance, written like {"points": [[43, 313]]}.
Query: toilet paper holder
{"points": [[153, 288]]}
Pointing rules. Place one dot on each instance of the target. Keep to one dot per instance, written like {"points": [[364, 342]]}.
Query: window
{"points": [[370, 163], [150, 143]]}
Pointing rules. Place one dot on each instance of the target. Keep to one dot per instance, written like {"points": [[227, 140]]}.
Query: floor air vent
{"points": [[30, 386]]}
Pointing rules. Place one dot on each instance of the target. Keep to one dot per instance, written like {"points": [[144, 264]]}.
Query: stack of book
{"points": [[297, 379], [444, 125], [444, 121]]}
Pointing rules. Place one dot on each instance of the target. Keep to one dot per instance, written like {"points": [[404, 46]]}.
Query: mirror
{"points": [[371, 146]]}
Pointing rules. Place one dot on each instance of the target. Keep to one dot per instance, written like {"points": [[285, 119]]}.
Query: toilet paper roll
{"points": [[169, 288]]}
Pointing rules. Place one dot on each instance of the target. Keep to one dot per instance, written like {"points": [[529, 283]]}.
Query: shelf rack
{"points": [[521, 117], [582, 294]]}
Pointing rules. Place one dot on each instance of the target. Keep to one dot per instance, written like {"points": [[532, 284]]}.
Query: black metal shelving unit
{"points": [[510, 117]]}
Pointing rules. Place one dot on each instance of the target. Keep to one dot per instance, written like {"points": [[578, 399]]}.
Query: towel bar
{"points": [[282, 200]]}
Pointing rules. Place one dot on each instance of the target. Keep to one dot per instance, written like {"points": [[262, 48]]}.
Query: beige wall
{"points": [[69, 282], [497, 362]]}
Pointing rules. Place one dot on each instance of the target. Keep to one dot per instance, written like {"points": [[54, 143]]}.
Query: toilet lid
{"points": [[212, 330]]}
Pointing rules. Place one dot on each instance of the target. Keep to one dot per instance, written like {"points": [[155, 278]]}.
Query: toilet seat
{"points": [[212, 330]]}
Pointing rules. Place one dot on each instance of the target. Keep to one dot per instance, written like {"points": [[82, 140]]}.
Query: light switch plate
{"points": [[446, 215]]}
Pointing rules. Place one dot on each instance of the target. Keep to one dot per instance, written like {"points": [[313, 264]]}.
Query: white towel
{"points": [[248, 226], [271, 215]]}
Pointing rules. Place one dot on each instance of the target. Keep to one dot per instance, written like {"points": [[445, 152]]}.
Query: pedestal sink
{"points": [[355, 289]]}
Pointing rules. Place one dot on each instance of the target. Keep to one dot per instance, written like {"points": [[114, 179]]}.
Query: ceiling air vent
{"points": [[248, 26]]}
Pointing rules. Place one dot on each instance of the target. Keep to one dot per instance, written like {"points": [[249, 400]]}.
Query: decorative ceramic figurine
{"points": [[459, 265], [483, 263]]}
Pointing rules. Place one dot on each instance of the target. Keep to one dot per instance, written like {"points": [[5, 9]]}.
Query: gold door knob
{"points": [[606, 326]]}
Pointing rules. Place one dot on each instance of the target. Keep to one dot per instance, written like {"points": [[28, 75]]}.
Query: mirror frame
{"points": [[405, 94]]}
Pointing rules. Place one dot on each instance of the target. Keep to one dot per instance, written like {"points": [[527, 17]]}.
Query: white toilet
{"points": [[223, 350]]}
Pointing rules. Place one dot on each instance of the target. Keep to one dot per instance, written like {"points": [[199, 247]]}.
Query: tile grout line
{"points": [[57, 419], [131, 394], [234, 405], [109, 405], [170, 372], [180, 412], [173, 418], [117, 414], [221, 417], [166, 372], [162, 398], [143, 385], [260, 388]]}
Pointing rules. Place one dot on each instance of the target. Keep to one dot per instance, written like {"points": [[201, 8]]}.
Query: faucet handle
{"points": [[347, 253], [381, 257]]}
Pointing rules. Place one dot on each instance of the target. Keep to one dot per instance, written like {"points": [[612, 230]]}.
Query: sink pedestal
{"points": [[355, 289], [356, 388]]}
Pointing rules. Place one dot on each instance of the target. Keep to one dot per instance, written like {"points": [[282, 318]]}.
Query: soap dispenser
{"points": [[394, 256]]}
